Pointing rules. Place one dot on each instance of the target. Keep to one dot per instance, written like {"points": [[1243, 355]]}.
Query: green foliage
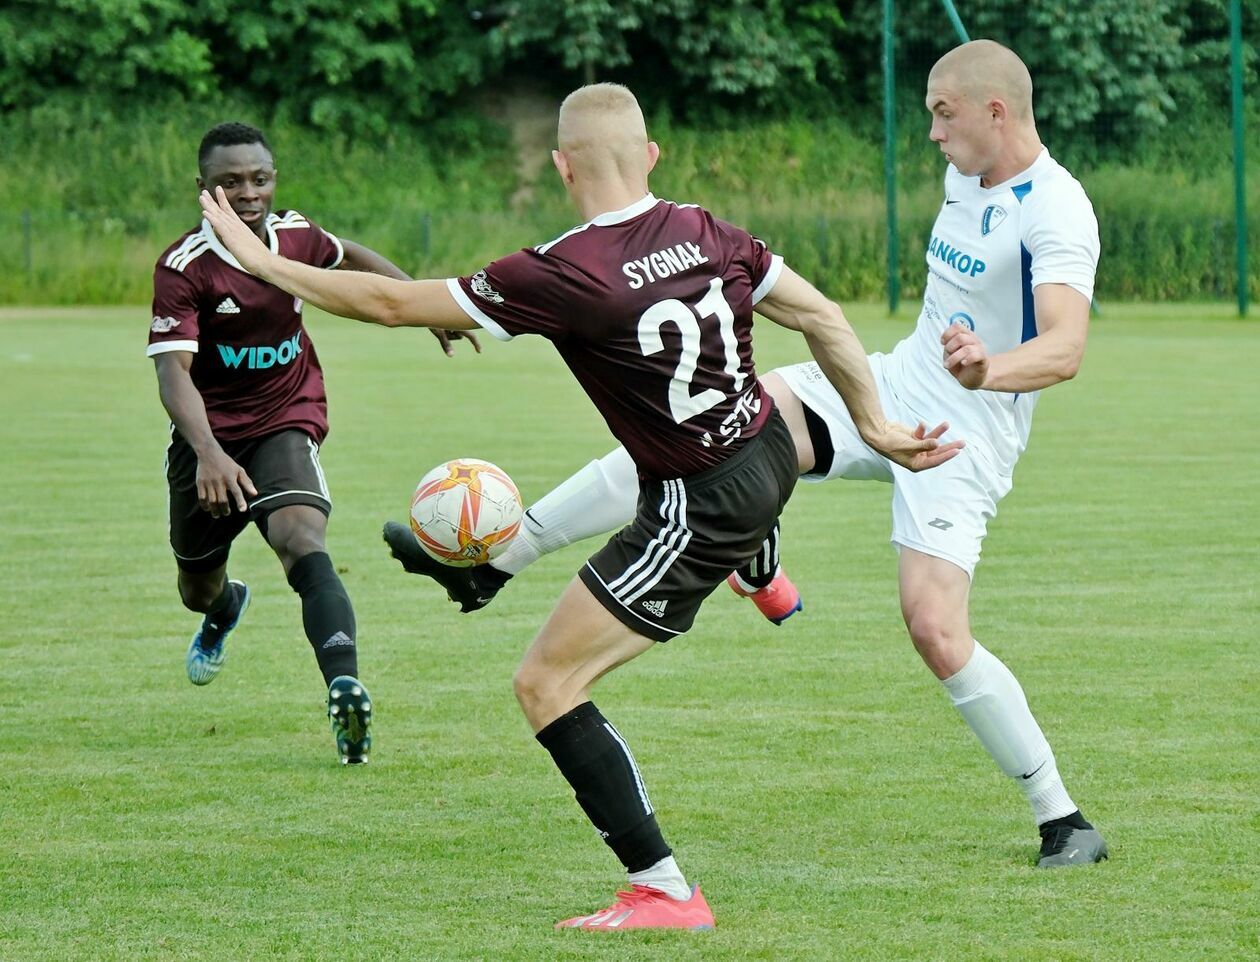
{"points": [[106, 197], [1108, 76], [361, 67], [689, 54]]}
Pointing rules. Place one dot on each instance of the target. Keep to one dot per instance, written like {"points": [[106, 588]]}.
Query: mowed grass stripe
{"points": [[813, 778]]}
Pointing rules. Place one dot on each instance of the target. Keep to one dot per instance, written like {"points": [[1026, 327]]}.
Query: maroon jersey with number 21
{"points": [[651, 308]]}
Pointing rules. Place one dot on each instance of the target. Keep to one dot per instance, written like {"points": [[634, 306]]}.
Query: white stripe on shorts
{"points": [[662, 552], [319, 470]]}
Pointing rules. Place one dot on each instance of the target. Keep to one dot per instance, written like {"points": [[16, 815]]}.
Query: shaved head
{"points": [[984, 70], [602, 133]]}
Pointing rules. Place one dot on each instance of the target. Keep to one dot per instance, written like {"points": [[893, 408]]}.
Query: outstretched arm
{"points": [[1052, 356], [359, 257], [795, 303], [353, 294]]}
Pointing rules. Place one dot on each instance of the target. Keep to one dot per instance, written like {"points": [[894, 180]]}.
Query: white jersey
{"points": [[989, 248]]}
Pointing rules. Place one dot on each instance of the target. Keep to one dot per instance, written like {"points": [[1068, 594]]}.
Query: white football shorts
{"points": [[943, 512]]}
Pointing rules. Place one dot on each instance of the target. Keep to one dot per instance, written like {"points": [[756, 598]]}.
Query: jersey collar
{"points": [[640, 206], [225, 255], [1023, 175]]}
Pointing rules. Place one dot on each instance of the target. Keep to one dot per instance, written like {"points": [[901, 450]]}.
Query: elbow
{"points": [[828, 319], [1069, 367]]}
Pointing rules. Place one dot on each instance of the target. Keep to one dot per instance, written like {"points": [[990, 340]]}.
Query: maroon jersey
{"points": [[255, 366], [651, 308]]}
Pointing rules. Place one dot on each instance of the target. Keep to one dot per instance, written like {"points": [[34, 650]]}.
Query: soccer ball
{"points": [[464, 512]]}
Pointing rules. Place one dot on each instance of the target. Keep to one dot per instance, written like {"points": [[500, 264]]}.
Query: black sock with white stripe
{"points": [[326, 615], [596, 761], [760, 571]]}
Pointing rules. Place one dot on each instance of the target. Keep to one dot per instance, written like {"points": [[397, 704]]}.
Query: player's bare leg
{"points": [[934, 596], [580, 643], [296, 533], [222, 602]]}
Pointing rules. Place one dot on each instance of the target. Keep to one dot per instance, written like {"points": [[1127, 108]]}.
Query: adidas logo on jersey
{"points": [[656, 608], [227, 306]]}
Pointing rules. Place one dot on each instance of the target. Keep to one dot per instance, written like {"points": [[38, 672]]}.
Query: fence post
{"points": [[1240, 176], [27, 260], [890, 158]]}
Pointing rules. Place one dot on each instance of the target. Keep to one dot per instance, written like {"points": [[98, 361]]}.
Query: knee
{"points": [[292, 542], [198, 594], [537, 694], [943, 645]]}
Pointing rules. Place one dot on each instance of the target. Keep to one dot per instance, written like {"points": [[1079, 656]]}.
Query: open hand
{"points": [[222, 484], [915, 450], [965, 356], [444, 338], [237, 238]]}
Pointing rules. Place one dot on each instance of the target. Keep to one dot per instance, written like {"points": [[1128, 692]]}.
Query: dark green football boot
{"points": [[350, 711]]}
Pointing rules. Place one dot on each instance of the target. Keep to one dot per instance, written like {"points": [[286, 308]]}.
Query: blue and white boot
{"points": [[206, 653]]}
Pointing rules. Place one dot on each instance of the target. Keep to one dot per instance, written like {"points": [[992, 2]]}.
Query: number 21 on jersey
{"points": [[682, 403]]}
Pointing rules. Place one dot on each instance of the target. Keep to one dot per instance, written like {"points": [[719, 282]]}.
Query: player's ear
{"points": [[562, 166], [201, 185], [998, 111], [654, 154]]}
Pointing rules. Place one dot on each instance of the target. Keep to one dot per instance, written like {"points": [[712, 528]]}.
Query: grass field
{"points": [[813, 778]]}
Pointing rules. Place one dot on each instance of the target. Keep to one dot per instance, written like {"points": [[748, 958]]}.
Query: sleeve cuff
{"points": [[165, 347], [768, 282], [472, 310], [341, 251], [1082, 285]]}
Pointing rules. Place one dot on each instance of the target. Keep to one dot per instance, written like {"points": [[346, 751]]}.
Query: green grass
{"points": [[813, 777]]}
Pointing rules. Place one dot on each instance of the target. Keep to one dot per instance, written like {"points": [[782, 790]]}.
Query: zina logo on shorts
{"points": [[260, 358]]}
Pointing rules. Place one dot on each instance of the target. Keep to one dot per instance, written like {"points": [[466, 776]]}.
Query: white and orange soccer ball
{"points": [[464, 512]]}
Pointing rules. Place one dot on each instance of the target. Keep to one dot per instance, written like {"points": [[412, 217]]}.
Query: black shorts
{"points": [[690, 533], [284, 468]]}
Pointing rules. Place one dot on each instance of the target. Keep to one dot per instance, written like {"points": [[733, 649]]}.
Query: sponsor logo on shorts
{"points": [[940, 523], [261, 358], [481, 287], [655, 608], [227, 306], [162, 325]]}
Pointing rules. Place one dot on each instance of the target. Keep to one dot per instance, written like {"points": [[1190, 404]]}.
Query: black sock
{"points": [[489, 576], [760, 571], [596, 761], [1076, 820], [225, 606], [326, 615]]}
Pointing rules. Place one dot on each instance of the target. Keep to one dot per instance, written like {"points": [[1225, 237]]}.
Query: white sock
{"points": [[990, 700], [666, 876], [602, 497]]}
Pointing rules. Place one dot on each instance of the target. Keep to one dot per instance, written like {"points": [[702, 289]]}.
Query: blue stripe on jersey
{"points": [[1025, 273], [1025, 280]]}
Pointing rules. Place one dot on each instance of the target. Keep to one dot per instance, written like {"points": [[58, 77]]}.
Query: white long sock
{"points": [[666, 876], [602, 497], [991, 701]]}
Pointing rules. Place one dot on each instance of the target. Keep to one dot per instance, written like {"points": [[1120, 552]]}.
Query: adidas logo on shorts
{"points": [[227, 306], [656, 608]]}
